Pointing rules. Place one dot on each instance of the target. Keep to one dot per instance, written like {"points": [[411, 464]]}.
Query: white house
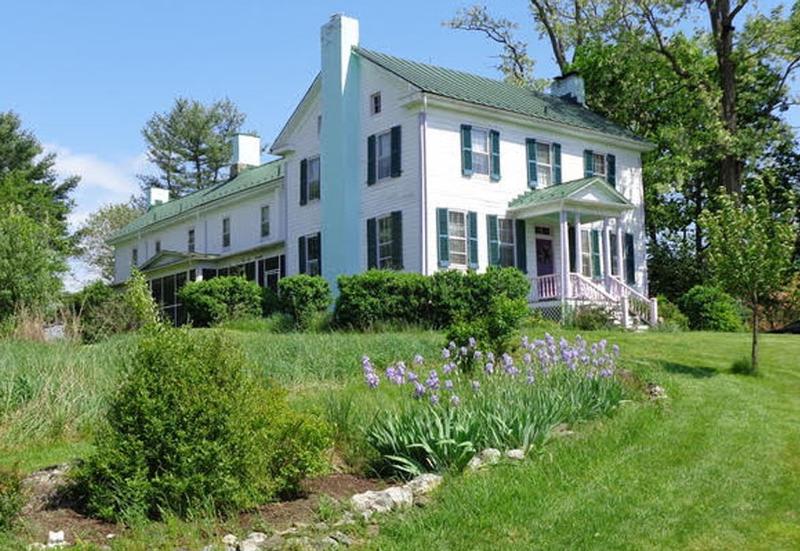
{"points": [[390, 163]]}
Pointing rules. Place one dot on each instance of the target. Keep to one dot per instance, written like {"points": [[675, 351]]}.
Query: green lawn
{"points": [[716, 466]]}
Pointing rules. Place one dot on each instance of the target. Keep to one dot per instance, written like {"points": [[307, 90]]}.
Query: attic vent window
{"points": [[375, 103]]}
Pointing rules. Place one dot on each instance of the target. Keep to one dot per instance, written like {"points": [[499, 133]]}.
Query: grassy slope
{"points": [[716, 467]]}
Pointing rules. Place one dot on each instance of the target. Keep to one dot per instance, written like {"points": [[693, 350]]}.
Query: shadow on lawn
{"points": [[692, 371]]}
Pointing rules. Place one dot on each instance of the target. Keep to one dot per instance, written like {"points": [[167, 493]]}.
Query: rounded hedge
{"points": [[192, 431], [220, 299], [710, 309], [302, 297]]}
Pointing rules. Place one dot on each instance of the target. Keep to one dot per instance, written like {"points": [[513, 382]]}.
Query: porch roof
{"points": [[168, 258], [593, 196]]}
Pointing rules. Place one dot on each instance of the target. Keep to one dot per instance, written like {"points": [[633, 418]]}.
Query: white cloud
{"points": [[103, 181]]}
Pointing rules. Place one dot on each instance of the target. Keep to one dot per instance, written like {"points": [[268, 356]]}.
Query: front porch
{"points": [[581, 251]]}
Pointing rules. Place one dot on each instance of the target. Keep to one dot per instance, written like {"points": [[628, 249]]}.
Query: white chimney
{"points": [[246, 153], [157, 195], [569, 87]]}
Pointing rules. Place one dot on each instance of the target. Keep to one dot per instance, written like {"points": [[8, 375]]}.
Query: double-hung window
{"points": [[158, 246], [375, 103], [480, 151], [135, 257], [457, 238], [544, 164], [265, 221], [385, 242], [384, 155], [599, 163], [190, 240], [312, 254], [226, 232], [505, 234], [313, 178]]}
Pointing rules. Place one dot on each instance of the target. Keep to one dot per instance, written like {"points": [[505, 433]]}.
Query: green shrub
{"points": [[672, 319], [303, 298], [190, 430], [142, 309], [379, 297], [710, 309], [592, 318], [269, 302], [220, 299], [11, 498], [102, 311]]}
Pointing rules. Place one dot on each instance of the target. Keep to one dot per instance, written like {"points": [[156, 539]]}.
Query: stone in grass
{"points": [[515, 455], [490, 456], [230, 539], [371, 502], [56, 539], [423, 484], [342, 538], [253, 542]]}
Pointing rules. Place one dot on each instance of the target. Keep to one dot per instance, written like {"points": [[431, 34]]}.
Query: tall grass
{"points": [[50, 392]]}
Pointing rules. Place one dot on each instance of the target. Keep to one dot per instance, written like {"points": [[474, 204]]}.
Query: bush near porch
{"points": [[382, 297]]}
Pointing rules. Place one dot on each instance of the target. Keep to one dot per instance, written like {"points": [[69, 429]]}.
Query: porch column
{"points": [[620, 273], [606, 254], [578, 244], [564, 226]]}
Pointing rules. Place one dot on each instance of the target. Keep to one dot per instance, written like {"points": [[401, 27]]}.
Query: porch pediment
{"points": [[591, 196], [168, 258]]}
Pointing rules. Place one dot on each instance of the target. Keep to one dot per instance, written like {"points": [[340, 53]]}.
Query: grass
{"points": [[715, 466]]}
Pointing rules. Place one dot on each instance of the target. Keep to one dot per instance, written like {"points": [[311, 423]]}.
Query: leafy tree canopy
{"points": [[92, 236]]}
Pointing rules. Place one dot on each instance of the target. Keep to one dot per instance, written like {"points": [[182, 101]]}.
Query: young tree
{"points": [[93, 235], [750, 251], [190, 144], [30, 263], [28, 179]]}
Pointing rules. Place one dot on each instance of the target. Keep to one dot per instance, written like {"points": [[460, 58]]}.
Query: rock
{"points": [[475, 463], [424, 484], [515, 455], [325, 543], [275, 541], [346, 520], [320, 527], [656, 392], [253, 542], [56, 539], [230, 539], [561, 430], [342, 538], [43, 487], [371, 502], [490, 456]]}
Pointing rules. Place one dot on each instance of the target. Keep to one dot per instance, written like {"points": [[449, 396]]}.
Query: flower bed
{"points": [[474, 400]]}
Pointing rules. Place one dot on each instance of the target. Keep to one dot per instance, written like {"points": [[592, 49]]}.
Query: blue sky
{"points": [[85, 76]]}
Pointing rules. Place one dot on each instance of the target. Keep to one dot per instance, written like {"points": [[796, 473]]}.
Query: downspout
{"points": [[423, 173]]}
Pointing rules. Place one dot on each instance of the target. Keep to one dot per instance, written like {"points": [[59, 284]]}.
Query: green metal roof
{"points": [[246, 180], [562, 191], [495, 93]]}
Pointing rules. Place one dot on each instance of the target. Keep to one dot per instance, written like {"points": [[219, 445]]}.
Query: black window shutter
{"points": [[397, 240], [572, 237], [444, 237], [372, 244], [472, 236], [466, 150], [371, 160], [588, 163], [301, 254], [630, 260], [494, 143], [520, 242], [530, 146], [319, 251], [611, 169], [396, 151], [556, 163], [494, 241], [303, 181], [282, 260]]}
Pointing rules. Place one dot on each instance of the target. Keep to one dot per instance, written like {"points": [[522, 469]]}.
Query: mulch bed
{"points": [[47, 515]]}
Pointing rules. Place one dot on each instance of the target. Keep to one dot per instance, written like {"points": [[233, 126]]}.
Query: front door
{"points": [[544, 256]]}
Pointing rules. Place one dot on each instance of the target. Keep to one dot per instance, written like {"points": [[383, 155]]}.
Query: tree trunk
{"points": [[754, 348]]}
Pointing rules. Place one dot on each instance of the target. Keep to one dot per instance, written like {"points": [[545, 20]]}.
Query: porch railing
{"points": [[646, 309], [547, 287]]}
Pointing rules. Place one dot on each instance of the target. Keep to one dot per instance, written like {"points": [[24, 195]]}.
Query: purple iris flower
{"points": [[476, 386], [448, 384], [445, 353], [455, 400]]}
